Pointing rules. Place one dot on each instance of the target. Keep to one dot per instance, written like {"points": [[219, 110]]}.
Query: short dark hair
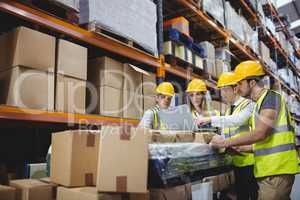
{"points": [[257, 79]]}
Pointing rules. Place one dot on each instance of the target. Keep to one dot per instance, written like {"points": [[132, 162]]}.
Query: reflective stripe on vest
{"points": [[276, 154], [246, 159], [155, 117]]}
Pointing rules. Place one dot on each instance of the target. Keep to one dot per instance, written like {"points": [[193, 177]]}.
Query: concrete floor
{"points": [[296, 189]]}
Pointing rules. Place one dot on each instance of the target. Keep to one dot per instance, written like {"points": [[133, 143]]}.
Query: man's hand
{"points": [[218, 142], [203, 121]]}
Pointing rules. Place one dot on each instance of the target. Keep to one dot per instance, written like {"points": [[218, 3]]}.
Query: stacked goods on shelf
{"points": [[209, 58], [179, 44], [179, 23], [71, 77], [223, 60], [119, 90], [232, 18], [27, 62], [282, 40], [283, 74], [106, 75], [264, 53], [215, 9], [124, 20], [270, 25]]}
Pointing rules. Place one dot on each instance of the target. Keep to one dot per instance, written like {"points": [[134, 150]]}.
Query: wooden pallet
{"points": [[55, 9], [96, 28]]}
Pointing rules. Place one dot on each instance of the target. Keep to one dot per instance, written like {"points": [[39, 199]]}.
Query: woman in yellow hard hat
{"points": [[196, 91], [165, 92]]}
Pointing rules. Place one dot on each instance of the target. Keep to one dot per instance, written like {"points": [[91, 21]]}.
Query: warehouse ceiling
{"points": [[291, 9]]}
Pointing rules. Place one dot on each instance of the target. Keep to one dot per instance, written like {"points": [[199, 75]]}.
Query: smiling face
{"points": [[163, 101], [196, 98]]}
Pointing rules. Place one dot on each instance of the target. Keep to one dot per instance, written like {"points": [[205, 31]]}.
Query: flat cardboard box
{"points": [[72, 59], [204, 137], [74, 158], [132, 105], [27, 88], [123, 160], [70, 94], [105, 71], [27, 47], [149, 102], [84, 193], [7, 193], [109, 102], [149, 84], [132, 79], [171, 136], [30, 189], [182, 192]]}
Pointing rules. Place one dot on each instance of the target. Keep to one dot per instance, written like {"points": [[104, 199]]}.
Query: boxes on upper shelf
{"points": [[73, 4], [30, 189], [215, 9], [179, 23], [232, 18], [27, 88], [132, 105], [124, 20], [209, 50], [126, 147], [223, 54], [74, 157], [149, 84], [26, 47], [210, 67], [264, 52], [70, 94], [71, 60]]}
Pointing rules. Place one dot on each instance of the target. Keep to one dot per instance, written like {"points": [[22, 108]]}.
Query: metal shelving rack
{"points": [[111, 45]]}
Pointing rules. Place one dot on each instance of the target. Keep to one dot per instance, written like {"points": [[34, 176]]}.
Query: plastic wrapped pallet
{"points": [[121, 17], [223, 54], [247, 30], [264, 52], [209, 50], [215, 9], [73, 4], [254, 42], [232, 18]]}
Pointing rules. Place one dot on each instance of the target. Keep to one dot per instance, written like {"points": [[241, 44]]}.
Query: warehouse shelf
{"points": [[99, 40], [234, 43], [25, 114], [247, 10]]}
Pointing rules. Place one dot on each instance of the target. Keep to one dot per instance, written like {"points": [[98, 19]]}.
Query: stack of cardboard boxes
{"points": [[122, 90], [30, 77]]}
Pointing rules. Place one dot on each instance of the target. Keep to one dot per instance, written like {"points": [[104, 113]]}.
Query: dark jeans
{"points": [[245, 183]]}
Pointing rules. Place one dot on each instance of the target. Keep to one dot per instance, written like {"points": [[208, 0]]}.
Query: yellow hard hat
{"points": [[165, 88], [196, 85], [226, 79], [248, 69]]}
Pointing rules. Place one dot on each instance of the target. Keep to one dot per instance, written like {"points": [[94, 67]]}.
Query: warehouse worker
{"points": [[165, 91], [235, 123], [272, 135], [196, 91]]}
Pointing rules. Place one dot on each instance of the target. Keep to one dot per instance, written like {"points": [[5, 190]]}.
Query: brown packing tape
{"points": [[90, 141], [125, 133], [121, 184], [89, 179]]}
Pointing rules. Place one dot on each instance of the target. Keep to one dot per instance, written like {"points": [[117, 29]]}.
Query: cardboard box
{"points": [[53, 185], [170, 136], [104, 71], [179, 23], [108, 102], [72, 59], [74, 158], [27, 88], [7, 193], [70, 94], [182, 192], [30, 189], [222, 181], [149, 102], [204, 137], [27, 47], [209, 67], [149, 84], [126, 147], [84, 193], [132, 105], [209, 50], [132, 79]]}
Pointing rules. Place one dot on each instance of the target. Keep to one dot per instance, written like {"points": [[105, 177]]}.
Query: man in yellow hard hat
{"points": [[272, 135], [165, 91], [235, 123]]}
